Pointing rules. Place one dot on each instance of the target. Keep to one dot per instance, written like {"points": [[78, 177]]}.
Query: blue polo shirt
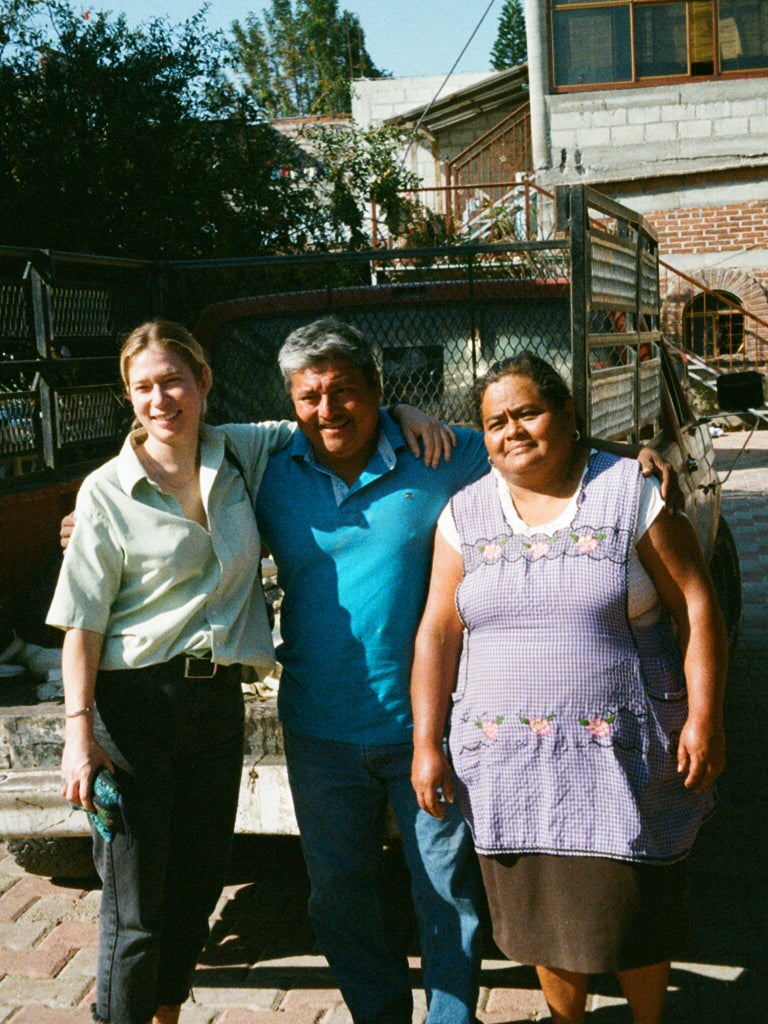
{"points": [[354, 565]]}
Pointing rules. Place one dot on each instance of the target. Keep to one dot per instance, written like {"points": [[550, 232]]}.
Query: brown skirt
{"points": [[586, 914]]}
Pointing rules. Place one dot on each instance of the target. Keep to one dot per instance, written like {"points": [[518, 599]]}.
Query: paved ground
{"points": [[262, 967]]}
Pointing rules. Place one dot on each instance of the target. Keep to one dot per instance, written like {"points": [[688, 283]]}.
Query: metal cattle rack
{"points": [[61, 317], [615, 336], [586, 299]]}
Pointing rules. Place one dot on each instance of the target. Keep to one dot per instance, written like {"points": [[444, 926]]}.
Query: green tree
{"points": [[357, 167], [511, 47], [299, 60], [136, 142]]}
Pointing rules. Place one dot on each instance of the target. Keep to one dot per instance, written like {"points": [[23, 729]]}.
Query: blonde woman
{"points": [[160, 597]]}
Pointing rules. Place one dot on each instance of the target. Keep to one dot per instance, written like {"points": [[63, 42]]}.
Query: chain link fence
{"points": [[585, 299], [434, 328]]}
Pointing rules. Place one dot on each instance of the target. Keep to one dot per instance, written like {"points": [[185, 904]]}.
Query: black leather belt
{"points": [[199, 668]]}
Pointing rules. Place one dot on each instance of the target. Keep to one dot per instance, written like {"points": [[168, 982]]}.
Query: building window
{"points": [[713, 325], [604, 42]]}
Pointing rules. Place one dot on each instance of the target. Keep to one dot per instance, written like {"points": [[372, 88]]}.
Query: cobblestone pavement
{"points": [[261, 965]]}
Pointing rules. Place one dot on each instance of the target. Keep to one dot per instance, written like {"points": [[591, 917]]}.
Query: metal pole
{"points": [[580, 294]]}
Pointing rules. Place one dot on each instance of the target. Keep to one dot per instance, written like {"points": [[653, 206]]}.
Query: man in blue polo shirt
{"points": [[349, 514]]}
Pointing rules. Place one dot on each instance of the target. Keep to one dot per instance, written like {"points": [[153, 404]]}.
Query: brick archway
{"points": [[750, 292], [678, 292]]}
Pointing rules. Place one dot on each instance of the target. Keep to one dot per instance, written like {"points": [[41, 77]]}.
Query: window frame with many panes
{"points": [[620, 43]]}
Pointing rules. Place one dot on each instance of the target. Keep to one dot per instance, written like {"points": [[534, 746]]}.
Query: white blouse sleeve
{"points": [[649, 506], [447, 527]]}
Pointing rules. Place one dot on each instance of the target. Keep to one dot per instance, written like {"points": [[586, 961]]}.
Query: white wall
{"points": [[374, 100]]}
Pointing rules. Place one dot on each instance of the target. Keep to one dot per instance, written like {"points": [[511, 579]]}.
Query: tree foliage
{"points": [[298, 60], [511, 46], [357, 168], [140, 142], [136, 142]]}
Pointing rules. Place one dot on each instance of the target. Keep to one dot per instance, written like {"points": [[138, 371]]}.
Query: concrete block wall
{"points": [[670, 129], [709, 140], [376, 99]]}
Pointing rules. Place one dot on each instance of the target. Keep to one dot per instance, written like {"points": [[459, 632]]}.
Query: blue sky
{"points": [[406, 37]]}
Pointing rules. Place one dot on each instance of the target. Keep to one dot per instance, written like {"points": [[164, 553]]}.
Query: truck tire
{"points": [[56, 858], [726, 576]]}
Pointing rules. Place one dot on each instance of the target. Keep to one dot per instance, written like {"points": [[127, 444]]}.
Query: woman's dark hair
{"points": [[542, 374]]}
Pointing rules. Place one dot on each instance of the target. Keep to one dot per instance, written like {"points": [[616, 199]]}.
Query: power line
{"points": [[443, 84]]}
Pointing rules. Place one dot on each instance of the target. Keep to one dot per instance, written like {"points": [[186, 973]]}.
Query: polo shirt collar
{"points": [[383, 460]]}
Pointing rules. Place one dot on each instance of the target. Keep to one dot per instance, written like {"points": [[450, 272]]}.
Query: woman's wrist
{"points": [[705, 721], [428, 744], [79, 726], [86, 709]]}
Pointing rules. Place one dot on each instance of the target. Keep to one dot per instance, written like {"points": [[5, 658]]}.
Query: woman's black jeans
{"points": [[177, 746]]}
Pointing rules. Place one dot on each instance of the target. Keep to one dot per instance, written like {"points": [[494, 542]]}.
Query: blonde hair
{"points": [[165, 335]]}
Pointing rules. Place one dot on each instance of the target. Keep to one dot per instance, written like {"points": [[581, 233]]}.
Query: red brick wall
{"points": [[725, 228], [710, 230]]}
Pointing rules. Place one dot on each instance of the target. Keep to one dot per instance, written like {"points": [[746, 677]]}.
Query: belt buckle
{"points": [[198, 668]]}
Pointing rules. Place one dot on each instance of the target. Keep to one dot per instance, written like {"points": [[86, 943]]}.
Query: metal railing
{"points": [[503, 153], [509, 210]]}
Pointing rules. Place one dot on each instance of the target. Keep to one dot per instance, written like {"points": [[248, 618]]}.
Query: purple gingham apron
{"points": [[564, 722]]}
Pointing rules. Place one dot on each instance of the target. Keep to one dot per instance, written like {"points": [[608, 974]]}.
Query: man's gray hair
{"points": [[322, 341]]}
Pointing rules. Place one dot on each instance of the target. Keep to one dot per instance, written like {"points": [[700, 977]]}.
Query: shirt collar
{"points": [[130, 470], [390, 442]]}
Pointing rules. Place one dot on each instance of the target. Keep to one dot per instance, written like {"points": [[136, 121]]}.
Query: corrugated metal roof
{"points": [[502, 89]]}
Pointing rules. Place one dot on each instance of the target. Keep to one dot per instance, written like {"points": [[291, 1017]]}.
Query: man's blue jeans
{"points": [[340, 793]]}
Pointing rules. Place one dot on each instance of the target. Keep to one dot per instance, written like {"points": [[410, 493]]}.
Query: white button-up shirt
{"points": [[156, 584]]}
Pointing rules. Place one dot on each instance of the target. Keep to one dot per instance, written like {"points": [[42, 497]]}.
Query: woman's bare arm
{"points": [[82, 755], [436, 659], [672, 557]]}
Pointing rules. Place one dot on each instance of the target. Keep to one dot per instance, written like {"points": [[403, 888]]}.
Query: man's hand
{"points": [[65, 530], [652, 464], [437, 437]]}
